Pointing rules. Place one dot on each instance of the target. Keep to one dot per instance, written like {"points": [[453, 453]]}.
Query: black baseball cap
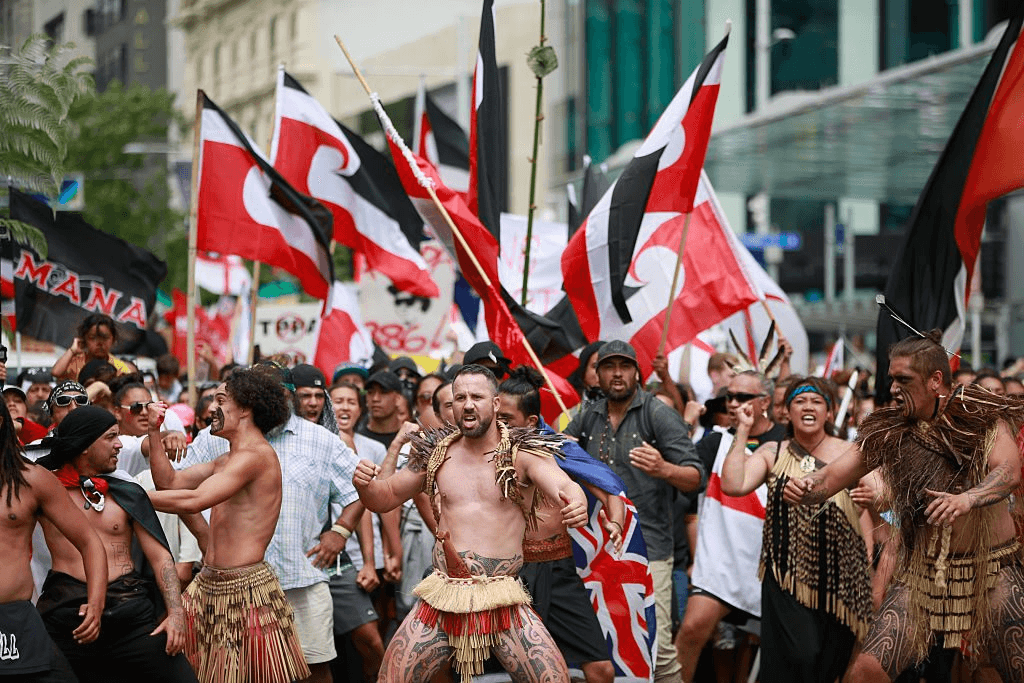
{"points": [[305, 375], [404, 362], [386, 380], [616, 349], [486, 351]]}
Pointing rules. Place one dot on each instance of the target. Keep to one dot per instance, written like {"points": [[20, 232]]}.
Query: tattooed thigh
{"points": [[529, 654], [891, 637], [1006, 646], [416, 653]]}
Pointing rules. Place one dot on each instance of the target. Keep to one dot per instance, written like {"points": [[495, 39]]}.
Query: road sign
{"points": [[786, 241]]}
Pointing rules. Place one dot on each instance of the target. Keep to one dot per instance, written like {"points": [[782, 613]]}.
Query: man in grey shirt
{"points": [[648, 445]]}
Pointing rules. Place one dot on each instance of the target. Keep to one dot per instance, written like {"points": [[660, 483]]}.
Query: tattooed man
{"points": [[486, 482], [950, 461], [133, 643]]}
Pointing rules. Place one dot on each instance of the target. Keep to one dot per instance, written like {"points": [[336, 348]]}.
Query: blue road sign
{"points": [[787, 241]]}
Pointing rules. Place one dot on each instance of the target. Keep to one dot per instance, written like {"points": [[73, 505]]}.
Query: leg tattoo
{"points": [[1006, 646], [530, 655], [890, 639], [416, 653]]}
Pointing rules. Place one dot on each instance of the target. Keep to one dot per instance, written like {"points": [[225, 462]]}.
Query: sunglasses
{"points": [[137, 407], [742, 397], [64, 400]]}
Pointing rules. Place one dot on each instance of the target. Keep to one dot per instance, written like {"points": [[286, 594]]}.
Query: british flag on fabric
{"points": [[621, 590]]}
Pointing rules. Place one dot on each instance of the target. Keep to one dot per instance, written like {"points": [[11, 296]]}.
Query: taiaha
{"points": [[193, 237], [428, 185], [542, 61]]}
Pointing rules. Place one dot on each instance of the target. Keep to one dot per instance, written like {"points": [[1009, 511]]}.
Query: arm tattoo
{"points": [[416, 466], [993, 488], [818, 493], [171, 589]]}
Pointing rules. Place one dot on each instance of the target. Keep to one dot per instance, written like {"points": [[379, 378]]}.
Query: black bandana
{"points": [[75, 434]]}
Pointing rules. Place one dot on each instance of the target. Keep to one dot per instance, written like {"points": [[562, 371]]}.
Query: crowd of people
{"points": [[394, 525]]}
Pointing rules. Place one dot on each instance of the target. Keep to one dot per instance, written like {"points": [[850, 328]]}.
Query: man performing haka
{"points": [[950, 461], [483, 500], [132, 646], [29, 493], [240, 624]]}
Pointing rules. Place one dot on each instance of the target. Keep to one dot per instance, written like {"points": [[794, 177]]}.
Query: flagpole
{"points": [[254, 296], [675, 281], [193, 239], [542, 61], [448, 219]]}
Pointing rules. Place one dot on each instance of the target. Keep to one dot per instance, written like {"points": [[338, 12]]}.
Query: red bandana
{"points": [[71, 479]]}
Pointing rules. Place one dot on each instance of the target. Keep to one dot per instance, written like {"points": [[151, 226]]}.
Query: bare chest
{"points": [[111, 523]]}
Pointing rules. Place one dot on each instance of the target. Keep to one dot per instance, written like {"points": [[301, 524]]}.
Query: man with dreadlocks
{"points": [[486, 482], [950, 461], [29, 493]]}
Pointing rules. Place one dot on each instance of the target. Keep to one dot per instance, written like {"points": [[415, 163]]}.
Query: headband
{"points": [[808, 388]]}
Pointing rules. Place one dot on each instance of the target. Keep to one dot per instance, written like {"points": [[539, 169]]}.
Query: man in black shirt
{"points": [[708, 604], [382, 395]]}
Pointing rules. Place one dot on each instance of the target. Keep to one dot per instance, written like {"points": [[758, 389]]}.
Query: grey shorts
{"points": [[352, 605]]}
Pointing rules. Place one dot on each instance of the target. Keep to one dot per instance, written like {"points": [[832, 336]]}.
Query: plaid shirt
{"points": [[317, 469]]}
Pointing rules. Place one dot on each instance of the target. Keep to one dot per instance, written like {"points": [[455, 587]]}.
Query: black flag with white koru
{"points": [[86, 271]]}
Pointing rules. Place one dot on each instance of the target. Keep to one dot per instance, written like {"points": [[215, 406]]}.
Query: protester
{"points": [[29, 493], [949, 460], [480, 535], [350, 372], [133, 644], [424, 411], [584, 378], [28, 430], [558, 593], [354, 575], [131, 401], [647, 444], [724, 592], [382, 394], [243, 490], [37, 386], [816, 583], [167, 385], [310, 392], [95, 336], [316, 472], [1014, 387], [987, 378]]}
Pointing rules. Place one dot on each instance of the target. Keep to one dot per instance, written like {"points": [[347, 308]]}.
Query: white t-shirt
{"points": [[374, 451]]}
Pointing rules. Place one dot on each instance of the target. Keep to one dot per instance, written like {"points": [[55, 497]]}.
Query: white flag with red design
{"points": [[342, 337], [618, 267], [372, 214]]}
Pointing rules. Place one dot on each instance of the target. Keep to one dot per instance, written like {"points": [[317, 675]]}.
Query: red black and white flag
{"points": [[440, 139], [372, 214], [488, 142], [248, 209], [342, 336], [618, 267], [930, 280]]}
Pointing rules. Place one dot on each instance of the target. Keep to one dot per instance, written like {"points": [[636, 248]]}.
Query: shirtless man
{"points": [[29, 493], [950, 461], [243, 491], [484, 498], [131, 646]]}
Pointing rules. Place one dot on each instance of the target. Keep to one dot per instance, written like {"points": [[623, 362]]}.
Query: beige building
{"points": [[233, 48]]}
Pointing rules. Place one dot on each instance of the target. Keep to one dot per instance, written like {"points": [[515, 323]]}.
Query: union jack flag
{"points": [[621, 591]]}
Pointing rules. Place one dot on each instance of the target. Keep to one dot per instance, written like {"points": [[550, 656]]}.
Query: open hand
{"points": [[946, 507], [89, 629], [647, 459], [174, 627]]}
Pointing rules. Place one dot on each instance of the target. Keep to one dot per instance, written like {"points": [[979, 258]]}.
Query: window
{"points": [[915, 29], [54, 29]]}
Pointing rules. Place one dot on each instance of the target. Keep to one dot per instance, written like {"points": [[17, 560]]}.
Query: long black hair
{"points": [[12, 462], [524, 384]]}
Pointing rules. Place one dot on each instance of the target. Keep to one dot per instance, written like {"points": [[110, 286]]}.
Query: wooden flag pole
{"points": [[193, 240], [254, 297], [675, 281], [444, 212]]}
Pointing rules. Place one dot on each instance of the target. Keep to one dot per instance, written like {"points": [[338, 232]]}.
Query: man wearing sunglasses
{"points": [[130, 402], [717, 590], [64, 398]]}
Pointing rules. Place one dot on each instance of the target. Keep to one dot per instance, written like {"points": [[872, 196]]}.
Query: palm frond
{"points": [[24, 233]]}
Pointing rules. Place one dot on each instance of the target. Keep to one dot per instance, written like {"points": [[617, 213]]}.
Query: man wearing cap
{"points": [[382, 389], [350, 372], [317, 471], [648, 445], [17, 404], [133, 644], [489, 355], [310, 392]]}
